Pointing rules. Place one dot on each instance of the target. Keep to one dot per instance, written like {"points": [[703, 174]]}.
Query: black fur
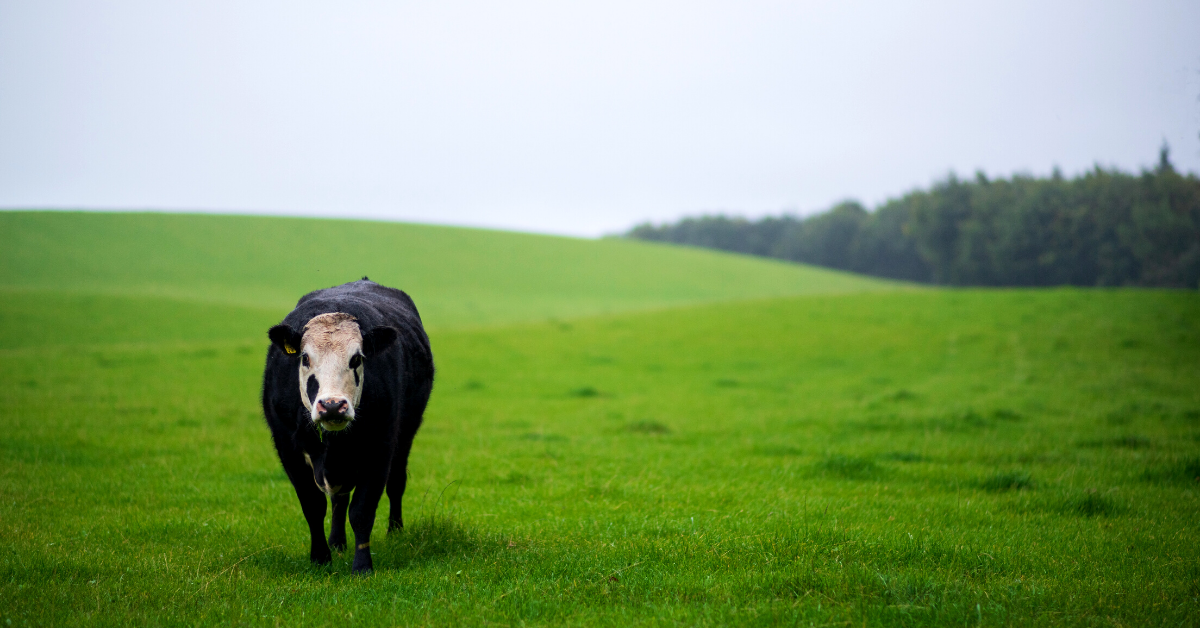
{"points": [[373, 452]]}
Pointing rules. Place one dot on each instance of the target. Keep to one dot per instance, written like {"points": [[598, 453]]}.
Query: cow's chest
{"points": [[332, 473]]}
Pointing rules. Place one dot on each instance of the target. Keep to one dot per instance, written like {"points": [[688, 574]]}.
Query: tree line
{"points": [[1101, 228]]}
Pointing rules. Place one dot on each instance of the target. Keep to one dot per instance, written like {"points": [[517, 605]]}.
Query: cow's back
{"points": [[371, 303]]}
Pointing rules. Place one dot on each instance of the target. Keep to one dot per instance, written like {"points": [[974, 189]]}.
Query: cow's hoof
{"points": [[362, 563], [336, 545], [321, 559], [395, 526]]}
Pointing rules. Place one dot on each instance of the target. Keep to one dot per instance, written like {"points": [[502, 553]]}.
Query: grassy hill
{"points": [[848, 454], [456, 276]]}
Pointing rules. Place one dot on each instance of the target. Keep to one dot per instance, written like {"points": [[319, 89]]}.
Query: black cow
{"points": [[348, 374]]}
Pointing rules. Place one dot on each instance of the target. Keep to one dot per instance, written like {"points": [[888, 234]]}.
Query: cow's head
{"points": [[331, 353]]}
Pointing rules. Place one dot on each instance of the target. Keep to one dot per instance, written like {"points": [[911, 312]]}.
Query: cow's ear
{"points": [[378, 340], [286, 338]]}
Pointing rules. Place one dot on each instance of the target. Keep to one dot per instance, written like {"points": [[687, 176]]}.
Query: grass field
{"points": [[764, 444]]}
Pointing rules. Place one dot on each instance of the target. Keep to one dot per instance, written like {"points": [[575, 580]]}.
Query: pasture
{"points": [[620, 434]]}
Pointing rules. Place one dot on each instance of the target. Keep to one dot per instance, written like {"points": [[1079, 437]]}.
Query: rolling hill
{"points": [[456, 276]]}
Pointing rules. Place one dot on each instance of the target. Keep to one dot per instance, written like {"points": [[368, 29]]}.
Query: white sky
{"points": [[575, 117]]}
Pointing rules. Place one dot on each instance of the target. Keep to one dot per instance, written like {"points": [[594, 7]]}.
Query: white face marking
{"points": [[331, 352]]}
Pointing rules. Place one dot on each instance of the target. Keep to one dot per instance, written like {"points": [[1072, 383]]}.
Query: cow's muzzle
{"points": [[333, 414]]}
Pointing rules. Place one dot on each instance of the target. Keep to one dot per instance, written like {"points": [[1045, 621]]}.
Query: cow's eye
{"points": [[356, 361], [304, 359]]}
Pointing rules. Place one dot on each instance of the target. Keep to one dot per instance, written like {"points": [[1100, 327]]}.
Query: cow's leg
{"points": [[337, 526], [414, 409], [397, 479], [362, 519], [312, 502]]}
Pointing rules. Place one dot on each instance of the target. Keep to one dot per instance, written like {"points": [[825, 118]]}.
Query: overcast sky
{"points": [[575, 117]]}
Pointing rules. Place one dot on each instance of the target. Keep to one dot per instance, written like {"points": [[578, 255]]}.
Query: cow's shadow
{"points": [[429, 539], [425, 540]]}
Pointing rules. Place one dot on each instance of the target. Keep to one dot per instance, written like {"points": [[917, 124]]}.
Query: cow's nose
{"points": [[338, 406]]}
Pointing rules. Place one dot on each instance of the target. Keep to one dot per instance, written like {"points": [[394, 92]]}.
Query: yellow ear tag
{"points": [[289, 348]]}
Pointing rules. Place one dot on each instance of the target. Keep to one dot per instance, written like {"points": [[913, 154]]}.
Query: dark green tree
{"points": [[1102, 228]]}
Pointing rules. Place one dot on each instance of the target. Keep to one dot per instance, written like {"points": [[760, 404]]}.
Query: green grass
{"points": [[901, 457]]}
